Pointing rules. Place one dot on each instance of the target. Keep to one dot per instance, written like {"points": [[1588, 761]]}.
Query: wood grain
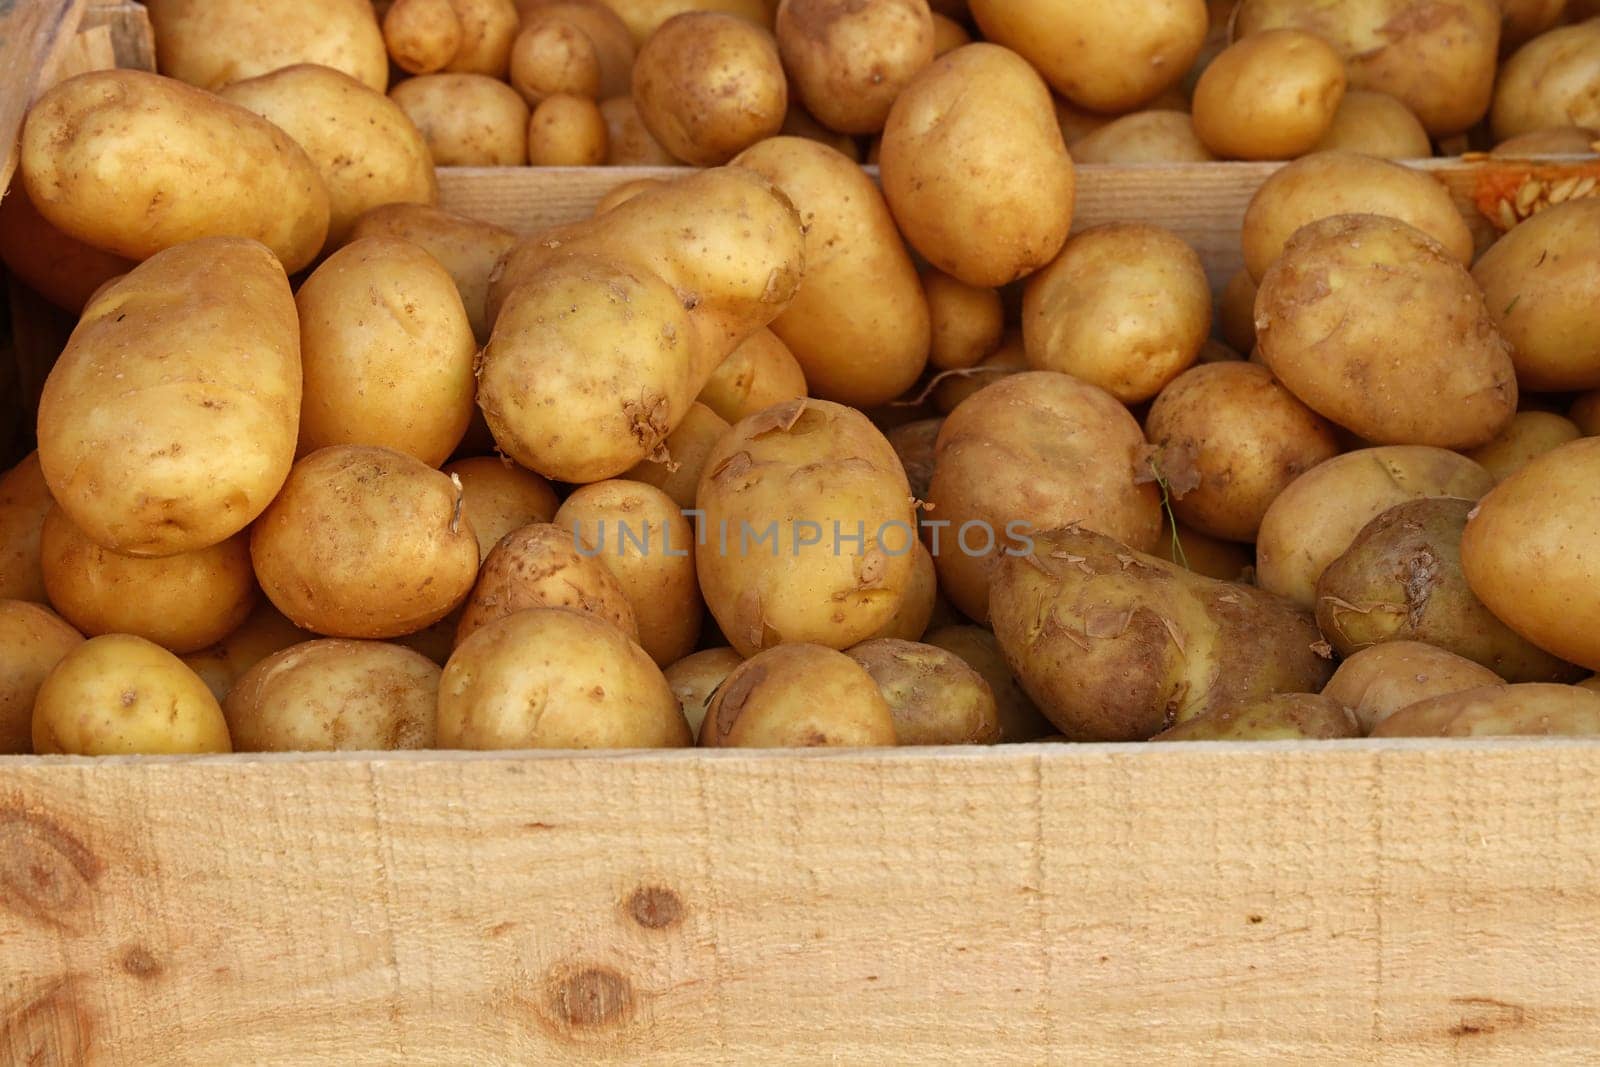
{"points": [[33, 35], [133, 41]]}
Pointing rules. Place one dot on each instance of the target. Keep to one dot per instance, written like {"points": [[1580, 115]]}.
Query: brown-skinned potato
{"points": [[709, 85], [933, 695], [543, 565], [849, 59], [798, 696], [1280, 717], [1378, 681]]}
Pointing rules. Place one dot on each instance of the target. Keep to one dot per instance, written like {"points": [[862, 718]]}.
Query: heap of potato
{"points": [[767, 454]]}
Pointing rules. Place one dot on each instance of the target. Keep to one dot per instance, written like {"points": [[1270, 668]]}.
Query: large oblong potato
{"points": [[1271, 95], [134, 163], [211, 43], [1531, 709], [24, 502], [798, 696], [934, 696], [467, 120], [1553, 80], [149, 439], [1378, 681], [849, 60], [543, 565], [33, 639], [974, 168], [709, 85]]}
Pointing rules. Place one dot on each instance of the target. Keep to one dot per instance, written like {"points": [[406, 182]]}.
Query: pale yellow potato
{"points": [[934, 696], [1143, 137], [487, 29], [974, 168], [567, 131], [1532, 709], [543, 565], [759, 373], [1585, 413], [695, 678], [1270, 95], [1019, 719], [211, 43], [676, 469], [628, 143], [1126, 306], [24, 502], [1378, 681], [62, 269], [1337, 183], [640, 535], [859, 324], [1108, 57], [149, 441], [552, 60], [422, 35], [1375, 124], [134, 163], [33, 639], [265, 631], [1238, 437], [849, 59], [797, 122], [554, 678], [1554, 141], [709, 85], [911, 620], [1530, 552], [364, 147], [1030, 453], [1314, 519], [798, 696], [120, 695], [387, 352], [365, 542], [497, 496], [335, 696], [948, 34], [467, 120], [1553, 80], [966, 321], [1529, 434], [774, 570]]}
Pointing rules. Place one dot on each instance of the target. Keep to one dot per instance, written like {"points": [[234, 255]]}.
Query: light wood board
{"points": [[34, 35]]}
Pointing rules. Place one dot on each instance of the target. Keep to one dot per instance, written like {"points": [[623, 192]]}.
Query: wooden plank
{"points": [[33, 35], [132, 39], [1402, 902]]}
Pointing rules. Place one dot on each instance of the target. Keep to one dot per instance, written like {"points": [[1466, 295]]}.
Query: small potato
{"points": [[1553, 80], [387, 352], [1314, 519], [759, 373], [134, 163], [695, 679], [1372, 324], [62, 269], [422, 35], [676, 469], [1527, 435], [1585, 413], [365, 542], [1226, 561], [1335, 183], [1271, 95], [914, 443], [708, 85], [33, 639], [1280, 717], [572, 46], [1375, 124], [1235, 434], [954, 386], [1077, 123], [211, 43], [121, 695], [967, 321], [1019, 719], [1554, 141], [335, 696], [1378, 681], [849, 59], [567, 131], [266, 631], [1033, 452], [628, 142], [933, 695], [798, 696], [974, 168], [543, 565], [797, 122], [487, 29], [1143, 137], [1538, 710], [554, 678], [910, 621], [24, 502], [467, 120], [1236, 312], [948, 35], [1126, 306], [497, 496]]}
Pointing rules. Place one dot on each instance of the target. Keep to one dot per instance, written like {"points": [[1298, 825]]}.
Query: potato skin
{"points": [[1375, 124], [1279, 717], [1019, 719], [554, 678], [1326, 323], [335, 696], [1010, 358], [24, 502], [497, 496], [120, 695], [488, 28], [1271, 95], [134, 163], [848, 60], [974, 168], [1532, 709], [759, 373], [798, 696], [467, 120], [628, 142], [365, 542], [1528, 434], [708, 85], [676, 471], [567, 131], [910, 621], [211, 43], [543, 565], [967, 321], [222, 664], [421, 35], [603, 39], [695, 678], [187, 449], [933, 695], [1157, 136], [1553, 80], [1378, 681], [33, 639], [1115, 645], [60, 268]]}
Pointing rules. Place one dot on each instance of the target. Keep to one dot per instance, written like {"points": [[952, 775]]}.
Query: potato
{"points": [[910, 621], [581, 48], [948, 34], [1236, 311], [1592, 682], [264, 632], [1378, 681], [211, 43], [709, 85], [497, 496], [1033, 452], [967, 321], [694, 679], [1529, 552], [676, 471], [954, 386], [1500, 711], [467, 248], [364, 147], [1554, 141], [335, 696], [1553, 80], [644, 17], [422, 35], [62, 269], [1115, 645], [1280, 717], [134, 163], [628, 143], [1525, 19], [1375, 124], [1109, 58], [365, 542], [1585, 413], [759, 373], [1143, 137], [567, 131], [1126, 306], [120, 695], [1335, 183], [554, 678], [33, 639], [1075, 122], [914, 443], [1372, 324], [488, 28], [1527, 435], [24, 502], [1019, 720], [467, 120], [1226, 561], [859, 325], [974, 168], [387, 352], [152, 444], [1438, 60], [934, 697], [1312, 521], [798, 696], [1235, 434], [543, 565], [621, 194], [1271, 95], [848, 61], [1401, 579], [797, 122]]}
